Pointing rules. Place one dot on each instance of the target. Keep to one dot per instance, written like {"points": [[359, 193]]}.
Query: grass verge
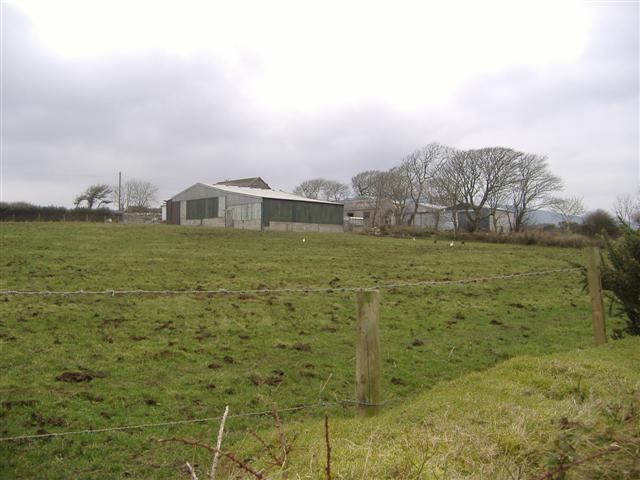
{"points": [[522, 419]]}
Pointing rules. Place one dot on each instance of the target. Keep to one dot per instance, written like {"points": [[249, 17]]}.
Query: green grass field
{"points": [[162, 358]]}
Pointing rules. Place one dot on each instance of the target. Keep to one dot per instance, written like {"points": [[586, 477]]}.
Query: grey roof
{"points": [[264, 193], [253, 182]]}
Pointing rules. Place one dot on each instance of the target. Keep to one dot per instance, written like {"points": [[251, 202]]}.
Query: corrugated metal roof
{"points": [[253, 182], [262, 193]]}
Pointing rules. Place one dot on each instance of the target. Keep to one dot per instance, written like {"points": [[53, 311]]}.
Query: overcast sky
{"points": [[183, 92]]}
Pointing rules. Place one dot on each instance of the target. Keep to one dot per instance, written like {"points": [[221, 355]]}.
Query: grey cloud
{"points": [[177, 120]]}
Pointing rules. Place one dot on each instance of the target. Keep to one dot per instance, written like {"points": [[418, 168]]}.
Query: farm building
{"points": [[498, 221], [238, 204], [369, 212], [372, 212], [428, 215]]}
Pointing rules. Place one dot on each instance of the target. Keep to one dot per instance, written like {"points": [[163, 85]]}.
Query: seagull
{"points": [[304, 239], [451, 244]]}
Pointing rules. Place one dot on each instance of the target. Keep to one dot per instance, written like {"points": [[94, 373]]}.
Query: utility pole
{"points": [[119, 191]]}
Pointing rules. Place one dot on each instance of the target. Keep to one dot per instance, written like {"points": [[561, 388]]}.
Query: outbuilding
{"points": [[232, 204]]}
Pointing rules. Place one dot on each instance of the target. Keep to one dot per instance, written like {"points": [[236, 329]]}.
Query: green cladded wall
{"points": [[202, 208], [301, 212]]}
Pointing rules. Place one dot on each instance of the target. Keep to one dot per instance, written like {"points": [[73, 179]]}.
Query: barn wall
{"points": [[255, 213], [197, 191], [234, 199], [247, 216], [464, 224], [173, 212], [502, 219], [238, 211], [290, 211], [304, 227]]}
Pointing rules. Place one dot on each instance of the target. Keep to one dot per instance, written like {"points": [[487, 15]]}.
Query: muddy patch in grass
{"points": [[81, 376], [42, 421], [9, 404], [272, 380]]}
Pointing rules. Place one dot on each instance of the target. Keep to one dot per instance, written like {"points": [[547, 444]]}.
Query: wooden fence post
{"points": [[368, 365], [595, 290]]}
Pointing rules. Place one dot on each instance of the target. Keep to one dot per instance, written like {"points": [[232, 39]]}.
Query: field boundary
{"points": [[296, 408], [258, 291]]}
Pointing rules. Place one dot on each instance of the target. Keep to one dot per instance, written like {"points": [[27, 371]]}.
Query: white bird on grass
{"points": [[451, 244], [304, 239]]}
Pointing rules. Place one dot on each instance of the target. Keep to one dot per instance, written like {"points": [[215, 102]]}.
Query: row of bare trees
{"points": [[323, 189], [133, 196], [475, 184], [478, 181]]}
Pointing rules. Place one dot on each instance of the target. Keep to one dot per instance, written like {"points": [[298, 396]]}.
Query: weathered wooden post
{"points": [[368, 368], [595, 290]]}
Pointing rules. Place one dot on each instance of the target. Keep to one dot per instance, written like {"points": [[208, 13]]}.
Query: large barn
{"points": [[250, 204]]}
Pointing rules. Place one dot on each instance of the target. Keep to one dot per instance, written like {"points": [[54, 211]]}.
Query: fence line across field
{"points": [[141, 426], [261, 291]]}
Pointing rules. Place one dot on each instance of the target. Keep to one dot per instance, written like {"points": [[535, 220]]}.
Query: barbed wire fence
{"points": [[362, 403], [259, 291], [172, 423]]}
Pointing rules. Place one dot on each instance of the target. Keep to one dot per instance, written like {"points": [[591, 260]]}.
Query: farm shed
{"points": [[229, 205], [499, 221], [428, 215], [371, 212]]}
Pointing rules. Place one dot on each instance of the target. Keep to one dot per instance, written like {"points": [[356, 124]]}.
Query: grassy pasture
{"points": [[160, 358]]}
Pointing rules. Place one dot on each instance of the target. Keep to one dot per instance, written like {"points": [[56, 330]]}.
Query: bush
{"points": [[621, 276], [25, 212], [598, 222]]}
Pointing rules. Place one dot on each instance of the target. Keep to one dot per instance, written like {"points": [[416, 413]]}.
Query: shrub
{"points": [[598, 222], [25, 212], [621, 276]]}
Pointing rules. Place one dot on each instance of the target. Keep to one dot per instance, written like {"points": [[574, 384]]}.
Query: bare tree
{"points": [[97, 195], [143, 194], [136, 195], [420, 168], [395, 188], [627, 208], [321, 188], [532, 187], [568, 208], [334, 191], [447, 187], [310, 188], [364, 183], [480, 178]]}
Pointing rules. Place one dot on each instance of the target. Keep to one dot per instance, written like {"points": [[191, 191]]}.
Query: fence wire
{"points": [[190, 421], [259, 291], [263, 291]]}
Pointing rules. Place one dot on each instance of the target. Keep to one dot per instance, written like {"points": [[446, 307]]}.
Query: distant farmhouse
{"points": [[249, 203], [370, 212]]}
